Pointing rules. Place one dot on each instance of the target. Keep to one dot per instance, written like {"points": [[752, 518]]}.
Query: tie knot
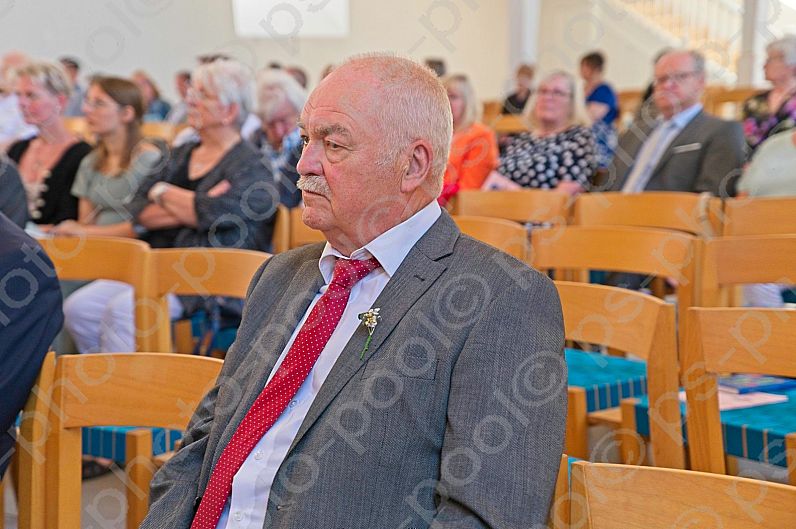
{"points": [[348, 272]]}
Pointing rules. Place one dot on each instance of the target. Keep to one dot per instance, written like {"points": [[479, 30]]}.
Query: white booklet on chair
{"points": [[734, 401]]}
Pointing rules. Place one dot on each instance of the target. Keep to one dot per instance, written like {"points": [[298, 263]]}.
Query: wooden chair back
{"points": [[114, 258], [504, 235], [77, 126], [643, 325], [31, 446], [510, 124], [759, 216], [281, 236], [731, 340], [492, 109], [605, 496], [526, 205], [687, 212], [730, 261], [196, 272], [728, 103], [300, 233], [662, 253], [161, 130], [119, 389]]}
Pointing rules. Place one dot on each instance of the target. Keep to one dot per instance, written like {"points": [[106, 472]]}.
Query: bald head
{"points": [[411, 103]]}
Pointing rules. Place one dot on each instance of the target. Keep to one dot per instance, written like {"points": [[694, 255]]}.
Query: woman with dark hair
{"points": [[109, 176], [49, 161], [602, 106]]}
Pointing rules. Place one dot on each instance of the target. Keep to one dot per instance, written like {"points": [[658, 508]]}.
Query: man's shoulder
{"points": [[292, 260], [709, 123]]}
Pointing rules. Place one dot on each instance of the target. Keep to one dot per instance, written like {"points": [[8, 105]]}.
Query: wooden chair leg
{"points": [[139, 469], [577, 437], [63, 485], [632, 448]]}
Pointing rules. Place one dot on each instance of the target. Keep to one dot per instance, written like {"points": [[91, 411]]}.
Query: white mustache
{"points": [[314, 184]]}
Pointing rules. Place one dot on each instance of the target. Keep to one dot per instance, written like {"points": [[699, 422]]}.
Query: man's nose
{"points": [[310, 161]]}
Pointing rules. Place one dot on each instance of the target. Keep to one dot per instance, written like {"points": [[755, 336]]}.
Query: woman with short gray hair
{"points": [[773, 111], [213, 192]]}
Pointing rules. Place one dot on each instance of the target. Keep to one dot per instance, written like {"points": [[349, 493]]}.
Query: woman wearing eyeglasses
{"points": [[212, 193], [773, 111], [109, 176], [559, 152]]}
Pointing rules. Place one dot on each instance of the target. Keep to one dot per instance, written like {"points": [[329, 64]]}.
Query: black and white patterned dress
{"points": [[543, 162]]}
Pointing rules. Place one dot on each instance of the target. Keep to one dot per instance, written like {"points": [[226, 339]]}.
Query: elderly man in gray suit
{"points": [[401, 375], [683, 149]]}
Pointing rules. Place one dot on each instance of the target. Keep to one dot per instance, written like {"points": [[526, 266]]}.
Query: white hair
{"points": [[786, 46], [49, 75], [231, 82], [413, 105], [275, 87]]}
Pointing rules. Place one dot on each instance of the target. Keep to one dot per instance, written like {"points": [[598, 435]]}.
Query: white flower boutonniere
{"points": [[369, 319]]}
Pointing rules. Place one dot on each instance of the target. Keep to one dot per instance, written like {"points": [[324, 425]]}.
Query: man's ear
{"points": [[416, 173]]}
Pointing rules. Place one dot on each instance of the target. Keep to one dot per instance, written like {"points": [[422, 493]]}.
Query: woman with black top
{"points": [[211, 193], [47, 162]]}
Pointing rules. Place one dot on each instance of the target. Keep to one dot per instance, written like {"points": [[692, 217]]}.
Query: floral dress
{"points": [[759, 122], [542, 163]]}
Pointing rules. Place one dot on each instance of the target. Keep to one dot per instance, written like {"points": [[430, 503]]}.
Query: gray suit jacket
{"points": [[453, 419], [706, 156]]}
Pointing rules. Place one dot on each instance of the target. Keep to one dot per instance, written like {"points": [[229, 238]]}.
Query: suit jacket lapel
{"points": [[685, 136], [417, 273]]}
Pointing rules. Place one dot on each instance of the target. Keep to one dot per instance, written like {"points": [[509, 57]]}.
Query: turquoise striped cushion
{"points": [[606, 379]]}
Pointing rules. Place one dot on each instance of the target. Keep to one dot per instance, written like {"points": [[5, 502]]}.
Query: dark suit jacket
{"points": [[706, 156], [455, 415], [30, 317], [13, 201]]}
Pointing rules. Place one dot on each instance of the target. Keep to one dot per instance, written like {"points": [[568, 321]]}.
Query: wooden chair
{"points": [[728, 103], [281, 237], [526, 205], [739, 340], [510, 124], [504, 235], [195, 272], [629, 102], [300, 233], [606, 496], [31, 449], [663, 253], [631, 322], [161, 130], [77, 126], [151, 389], [731, 261], [114, 258], [491, 110], [687, 212], [759, 216]]}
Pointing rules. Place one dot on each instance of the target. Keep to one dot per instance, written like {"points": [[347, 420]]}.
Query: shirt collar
{"points": [[684, 117], [391, 247]]}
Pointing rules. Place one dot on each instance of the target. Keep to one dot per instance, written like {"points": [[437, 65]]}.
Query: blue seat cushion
{"points": [[752, 433], [110, 442], [606, 379]]}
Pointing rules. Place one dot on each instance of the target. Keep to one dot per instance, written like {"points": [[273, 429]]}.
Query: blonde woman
{"points": [[49, 161], [559, 152], [474, 152]]}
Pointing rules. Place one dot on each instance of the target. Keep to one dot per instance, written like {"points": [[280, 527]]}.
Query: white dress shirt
{"points": [[251, 485], [654, 146]]}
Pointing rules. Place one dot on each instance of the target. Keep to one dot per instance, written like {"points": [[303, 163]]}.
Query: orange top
{"points": [[474, 154]]}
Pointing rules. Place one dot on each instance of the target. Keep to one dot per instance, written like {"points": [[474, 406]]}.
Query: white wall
{"points": [[163, 36]]}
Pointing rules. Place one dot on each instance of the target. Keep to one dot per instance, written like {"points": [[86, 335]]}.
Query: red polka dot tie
{"points": [[272, 401]]}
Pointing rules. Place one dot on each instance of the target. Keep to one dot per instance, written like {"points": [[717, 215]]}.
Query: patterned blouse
{"points": [[759, 123], [543, 162]]}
